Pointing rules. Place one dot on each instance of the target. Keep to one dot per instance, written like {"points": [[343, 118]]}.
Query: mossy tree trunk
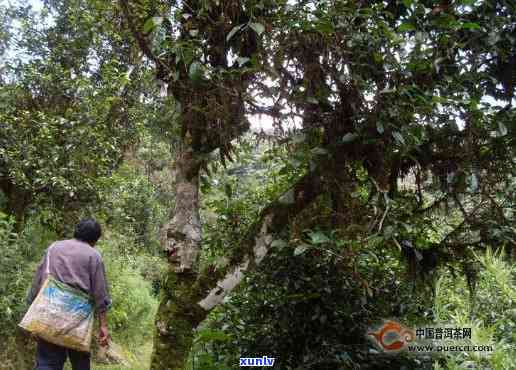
{"points": [[188, 296], [212, 109], [180, 239], [17, 201], [176, 320]]}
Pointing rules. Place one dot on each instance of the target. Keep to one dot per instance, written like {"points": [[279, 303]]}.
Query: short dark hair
{"points": [[88, 230]]}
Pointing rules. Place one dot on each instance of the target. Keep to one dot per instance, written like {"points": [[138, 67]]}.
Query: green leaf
{"points": [[319, 151], [324, 27], [471, 26], [257, 27], [407, 3], [502, 130], [312, 100], [349, 137], [205, 182], [318, 237], [195, 71], [233, 32], [398, 137], [242, 60], [300, 249], [388, 231], [152, 23], [380, 128], [405, 27], [210, 335], [278, 243]]}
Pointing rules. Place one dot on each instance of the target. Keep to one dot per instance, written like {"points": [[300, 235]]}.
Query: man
{"points": [[77, 263]]}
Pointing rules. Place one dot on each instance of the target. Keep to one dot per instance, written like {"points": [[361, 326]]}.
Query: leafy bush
{"points": [[491, 313], [307, 307], [15, 276], [134, 305], [20, 255], [131, 207], [137, 197]]}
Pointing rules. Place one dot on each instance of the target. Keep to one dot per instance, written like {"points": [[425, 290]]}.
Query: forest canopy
{"points": [[346, 157]]}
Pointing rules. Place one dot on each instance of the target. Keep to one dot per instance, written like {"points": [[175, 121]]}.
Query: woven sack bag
{"points": [[61, 314]]}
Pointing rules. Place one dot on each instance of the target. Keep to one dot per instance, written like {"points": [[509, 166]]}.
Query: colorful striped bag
{"points": [[61, 314]]}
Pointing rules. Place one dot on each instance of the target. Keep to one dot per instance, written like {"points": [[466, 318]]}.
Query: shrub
{"points": [[15, 276], [490, 313], [307, 309], [132, 204], [131, 315], [21, 254]]}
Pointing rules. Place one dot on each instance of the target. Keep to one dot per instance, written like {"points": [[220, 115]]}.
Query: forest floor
{"points": [[139, 360]]}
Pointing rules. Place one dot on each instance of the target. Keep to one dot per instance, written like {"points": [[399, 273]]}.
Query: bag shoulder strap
{"points": [[47, 270]]}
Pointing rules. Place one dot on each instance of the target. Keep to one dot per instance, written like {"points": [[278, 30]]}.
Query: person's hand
{"points": [[103, 336]]}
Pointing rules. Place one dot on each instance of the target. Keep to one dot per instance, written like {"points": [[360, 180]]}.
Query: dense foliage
{"points": [[490, 311], [133, 273], [379, 191], [69, 106]]}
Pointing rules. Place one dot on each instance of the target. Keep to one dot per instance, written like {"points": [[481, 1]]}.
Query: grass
{"points": [[139, 361]]}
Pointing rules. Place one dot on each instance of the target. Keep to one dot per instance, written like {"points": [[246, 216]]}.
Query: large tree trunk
{"points": [[212, 114], [180, 238], [188, 296], [175, 322], [17, 201]]}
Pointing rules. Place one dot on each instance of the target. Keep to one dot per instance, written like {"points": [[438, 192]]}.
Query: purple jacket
{"points": [[77, 264]]}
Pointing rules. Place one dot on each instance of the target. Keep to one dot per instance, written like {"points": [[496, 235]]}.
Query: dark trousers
{"points": [[52, 357]]}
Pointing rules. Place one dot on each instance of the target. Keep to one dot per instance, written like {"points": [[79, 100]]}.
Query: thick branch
{"points": [[187, 296], [140, 37], [256, 244]]}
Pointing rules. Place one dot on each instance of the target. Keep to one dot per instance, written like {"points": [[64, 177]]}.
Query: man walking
{"points": [[77, 263]]}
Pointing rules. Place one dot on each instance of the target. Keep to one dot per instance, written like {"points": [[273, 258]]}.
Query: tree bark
{"points": [[17, 201], [189, 296], [175, 322], [180, 238]]}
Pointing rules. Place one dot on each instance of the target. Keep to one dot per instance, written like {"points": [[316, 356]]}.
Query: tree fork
{"points": [[176, 320], [17, 202], [188, 297], [180, 239]]}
